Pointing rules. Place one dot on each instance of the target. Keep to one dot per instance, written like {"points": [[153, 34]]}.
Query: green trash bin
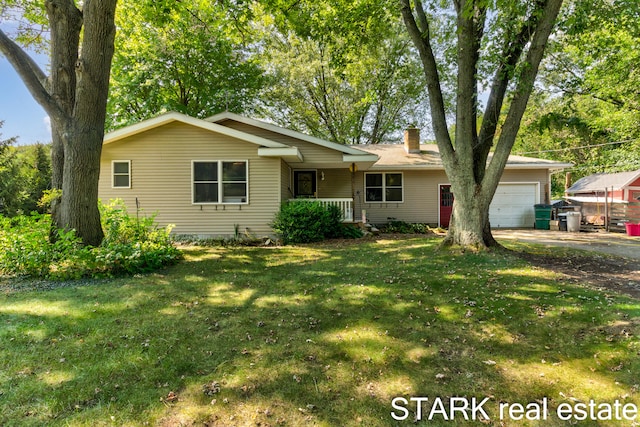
{"points": [[543, 216]]}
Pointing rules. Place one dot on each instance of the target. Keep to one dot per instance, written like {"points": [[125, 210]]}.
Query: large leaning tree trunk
{"points": [[75, 97], [475, 158]]}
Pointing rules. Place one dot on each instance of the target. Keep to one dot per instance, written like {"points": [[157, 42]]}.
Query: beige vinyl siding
{"points": [[336, 183], [286, 191], [161, 180], [421, 204], [312, 153]]}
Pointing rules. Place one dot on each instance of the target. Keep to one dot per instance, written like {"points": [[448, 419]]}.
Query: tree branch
{"points": [[524, 88], [421, 39], [423, 22], [31, 74], [511, 53], [470, 26]]}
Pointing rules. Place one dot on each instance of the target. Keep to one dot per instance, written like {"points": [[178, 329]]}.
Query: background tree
{"points": [[9, 177], [587, 108], [74, 96], [192, 56], [497, 44], [25, 173], [200, 58], [329, 84], [35, 175]]}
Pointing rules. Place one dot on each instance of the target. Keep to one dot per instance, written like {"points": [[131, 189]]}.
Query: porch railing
{"points": [[345, 205]]}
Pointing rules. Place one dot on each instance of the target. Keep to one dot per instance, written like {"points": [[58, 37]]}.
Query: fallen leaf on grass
{"points": [[211, 388], [171, 397]]}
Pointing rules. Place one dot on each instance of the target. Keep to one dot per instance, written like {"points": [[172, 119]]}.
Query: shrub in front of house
{"points": [[309, 221], [131, 245], [402, 227]]}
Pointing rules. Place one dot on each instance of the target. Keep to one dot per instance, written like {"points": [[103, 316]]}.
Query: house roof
{"points": [[601, 181], [268, 148], [594, 199], [346, 149], [171, 117], [395, 156], [379, 156]]}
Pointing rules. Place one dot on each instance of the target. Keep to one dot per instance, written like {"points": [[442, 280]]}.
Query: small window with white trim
{"points": [[121, 171], [383, 187]]}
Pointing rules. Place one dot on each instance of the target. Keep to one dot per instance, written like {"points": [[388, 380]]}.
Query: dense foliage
{"points": [[185, 56], [341, 71], [8, 179], [310, 221], [35, 176], [340, 81], [131, 245], [25, 173], [587, 107]]}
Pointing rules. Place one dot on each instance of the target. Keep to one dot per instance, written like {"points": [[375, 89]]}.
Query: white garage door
{"points": [[512, 205]]}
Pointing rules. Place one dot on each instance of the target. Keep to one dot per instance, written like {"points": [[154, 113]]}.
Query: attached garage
{"points": [[512, 205]]}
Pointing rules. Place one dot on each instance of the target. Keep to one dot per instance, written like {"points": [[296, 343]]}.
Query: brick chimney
{"points": [[412, 140]]}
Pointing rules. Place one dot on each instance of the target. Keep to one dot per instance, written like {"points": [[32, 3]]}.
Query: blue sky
{"points": [[22, 116]]}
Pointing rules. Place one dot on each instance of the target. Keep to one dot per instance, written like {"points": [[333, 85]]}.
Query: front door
{"points": [[304, 184], [446, 205]]}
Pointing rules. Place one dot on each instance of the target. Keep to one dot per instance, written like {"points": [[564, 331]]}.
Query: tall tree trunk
{"points": [[75, 97], [65, 22], [469, 225], [474, 176], [82, 139], [78, 208]]}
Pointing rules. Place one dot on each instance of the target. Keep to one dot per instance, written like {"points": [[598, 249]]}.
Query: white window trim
{"points": [[384, 186], [113, 173], [220, 182]]}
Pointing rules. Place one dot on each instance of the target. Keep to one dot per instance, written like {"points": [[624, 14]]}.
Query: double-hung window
{"points": [[220, 181], [121, 172], [383, 187]]}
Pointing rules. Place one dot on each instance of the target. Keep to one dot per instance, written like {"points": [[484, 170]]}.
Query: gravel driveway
{"points": [[620, 273], [598, 241]]}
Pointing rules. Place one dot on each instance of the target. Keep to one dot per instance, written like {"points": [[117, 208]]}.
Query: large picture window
{"points": [[383, 187], [220, 182]]}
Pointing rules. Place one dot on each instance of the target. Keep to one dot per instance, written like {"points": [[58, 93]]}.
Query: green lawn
{"points": [[325, 334]]}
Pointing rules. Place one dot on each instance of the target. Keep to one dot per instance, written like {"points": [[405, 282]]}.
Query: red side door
{"points": [[446, 205]]}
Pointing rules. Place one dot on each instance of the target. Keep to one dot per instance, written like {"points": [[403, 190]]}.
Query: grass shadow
{"points": [[322, 334]]}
